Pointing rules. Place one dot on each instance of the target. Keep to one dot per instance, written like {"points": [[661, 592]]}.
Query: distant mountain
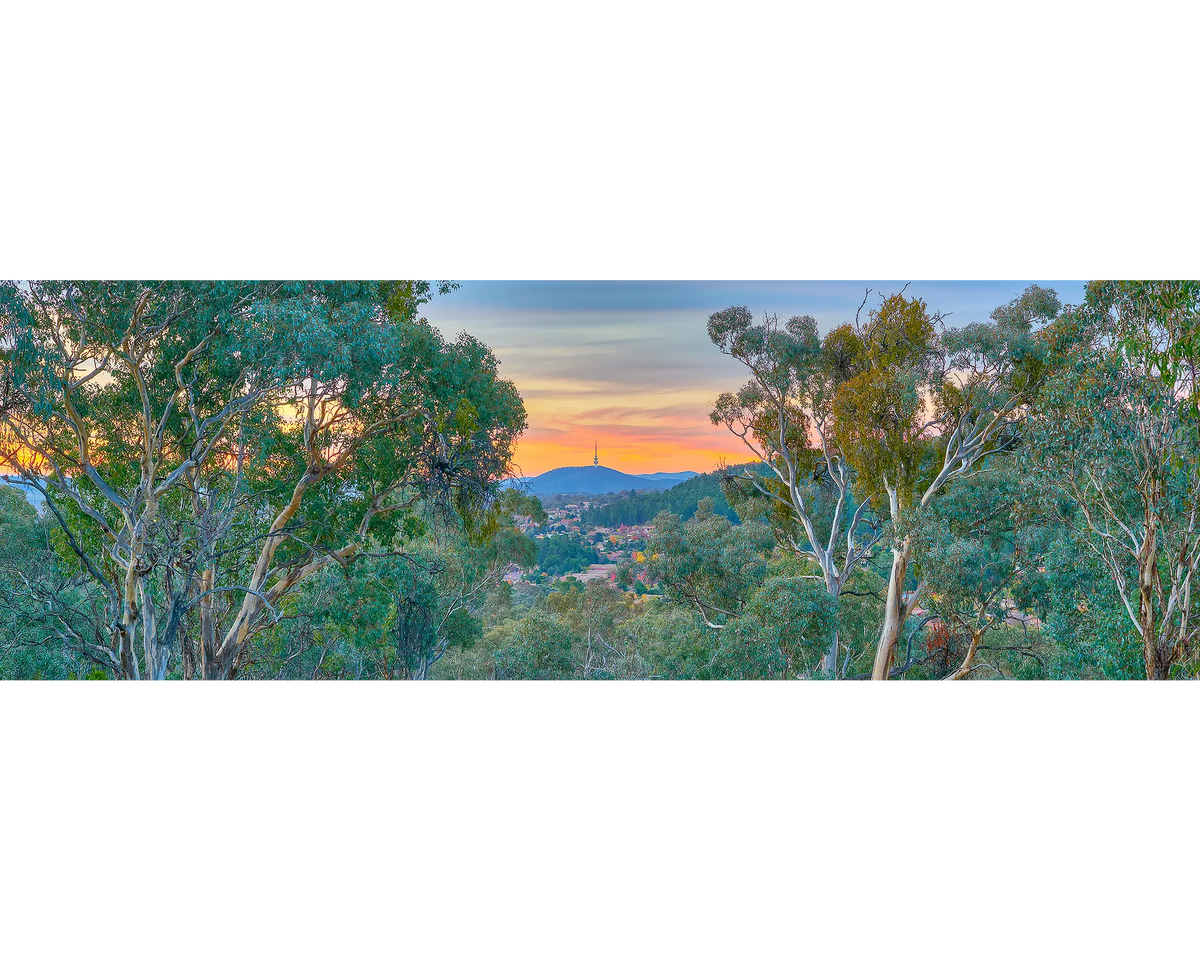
{"points": [[683, 498], [682, 475], [594, 480]]}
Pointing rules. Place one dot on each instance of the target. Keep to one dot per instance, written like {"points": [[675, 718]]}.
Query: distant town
{"points": [[572, 547], [891, 518]]}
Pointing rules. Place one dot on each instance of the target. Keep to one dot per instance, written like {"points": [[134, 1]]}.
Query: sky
{"points": [[629, 365]]}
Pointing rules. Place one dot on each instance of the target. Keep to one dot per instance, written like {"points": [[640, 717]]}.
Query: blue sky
{"points": [[629, 363], [794, 296]]}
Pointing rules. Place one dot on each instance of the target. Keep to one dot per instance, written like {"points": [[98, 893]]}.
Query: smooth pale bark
{"points": [[1159, 606], [829, 661], [965, 447], [805, 389], [968, 662], [829, 664], [896, 611], [1157, 667], [208, 627], [1161, 645], [823, 552], [132, 590]]}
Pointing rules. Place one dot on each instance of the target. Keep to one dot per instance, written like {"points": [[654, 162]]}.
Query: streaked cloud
{"points": [[630, 365]]}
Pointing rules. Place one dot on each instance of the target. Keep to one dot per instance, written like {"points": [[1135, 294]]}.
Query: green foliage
{"points": [[675, 642], [229, 440], [394, 615], [921, 395], [536, 647], [971, 549], [391, 441], [682, 499], [784, 627], [559, 554], [1086, 628], [879, 411], [514, 503], [708, 562], [1117, 433], [33, 590], [790, 384], [770, 617]]}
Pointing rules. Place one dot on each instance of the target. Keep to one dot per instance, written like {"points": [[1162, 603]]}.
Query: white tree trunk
{"points": [[964, 669], [895, 612]]}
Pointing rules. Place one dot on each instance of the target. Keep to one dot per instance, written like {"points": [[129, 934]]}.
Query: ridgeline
{"points": [[683, 498], [594, 480]]}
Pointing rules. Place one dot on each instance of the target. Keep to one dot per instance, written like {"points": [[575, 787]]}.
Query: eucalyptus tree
{"points": [[538, 646], [42, 605], [205, 447], [924, 409], [391, 416], [394, 614], [782, 629], [34, 598], [784, 415], [976, 547], [596, 615], [773, 619], [1118, 433], [1086, 629], [91, 387], [708, 563]]}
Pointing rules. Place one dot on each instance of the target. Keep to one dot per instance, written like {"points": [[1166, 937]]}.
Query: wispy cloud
{"points": [[630, 365]]}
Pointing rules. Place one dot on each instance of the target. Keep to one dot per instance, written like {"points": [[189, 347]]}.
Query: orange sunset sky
{"points": [[629, 364]]}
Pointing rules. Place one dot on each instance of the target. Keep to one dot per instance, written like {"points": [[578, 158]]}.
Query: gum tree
{"points": [[926, 406], [1118, 433], [784, 417], [976, 548], [95, 384], [394, 615], [205, 447], [773, 619], [708, 563]]}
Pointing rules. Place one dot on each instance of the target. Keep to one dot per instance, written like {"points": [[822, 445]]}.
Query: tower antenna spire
{"points": [[596, 458]]}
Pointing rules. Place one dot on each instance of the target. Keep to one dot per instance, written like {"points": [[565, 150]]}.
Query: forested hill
{"points": [[682, 499], [594, 480]]}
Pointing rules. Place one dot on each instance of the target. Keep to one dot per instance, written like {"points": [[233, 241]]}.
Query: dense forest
{"points": [[306, 480]]}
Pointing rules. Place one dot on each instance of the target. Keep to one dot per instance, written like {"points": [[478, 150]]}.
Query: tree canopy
{"points": [[307, 480], [205, 447]]}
